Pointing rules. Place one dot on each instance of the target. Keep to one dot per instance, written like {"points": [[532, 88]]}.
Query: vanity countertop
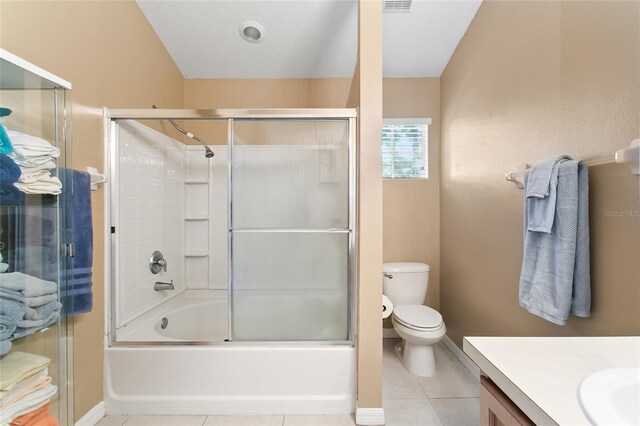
{"points": [[542, 375]]}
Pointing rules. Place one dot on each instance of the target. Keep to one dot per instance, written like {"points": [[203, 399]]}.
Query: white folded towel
{"points": [[19, 366], [25, 162], [28, 386], [47, 166], [35, 157], [32, 177], [27, 404], [46, 185], [31, 146]]}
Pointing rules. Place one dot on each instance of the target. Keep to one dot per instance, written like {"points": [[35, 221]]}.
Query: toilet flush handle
{"points": [[388, 276]]}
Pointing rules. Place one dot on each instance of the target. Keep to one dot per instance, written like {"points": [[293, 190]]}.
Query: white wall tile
{"points": [[150, 216]]}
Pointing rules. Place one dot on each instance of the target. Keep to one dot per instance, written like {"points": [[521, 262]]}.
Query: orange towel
{"points": [[47, 420], [39, 417]]}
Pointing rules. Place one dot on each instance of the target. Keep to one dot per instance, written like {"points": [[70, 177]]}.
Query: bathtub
{"points": [[187, 368], [193, 315]]}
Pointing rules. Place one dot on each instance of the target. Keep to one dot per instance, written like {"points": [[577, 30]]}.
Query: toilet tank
{"points": [[406, 283]]}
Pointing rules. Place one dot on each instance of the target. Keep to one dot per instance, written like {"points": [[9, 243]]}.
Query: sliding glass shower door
{"points": [[290, 229]]}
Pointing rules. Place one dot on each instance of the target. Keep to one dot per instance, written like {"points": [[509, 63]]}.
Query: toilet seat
{"points": [[418, 317]]}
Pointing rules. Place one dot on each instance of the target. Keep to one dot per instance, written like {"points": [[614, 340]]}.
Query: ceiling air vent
{"points": [[396, 6]]}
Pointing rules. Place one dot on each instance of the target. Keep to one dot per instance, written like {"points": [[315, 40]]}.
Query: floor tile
{"points": [[451, 380], [165, 421], [458, 411], [397, 382], [244, 421], [410, 412], [112, 421], [320, 420], [443, 354]]}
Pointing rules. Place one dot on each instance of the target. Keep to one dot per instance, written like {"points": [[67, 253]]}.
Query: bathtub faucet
{"points": [[163, 286]]}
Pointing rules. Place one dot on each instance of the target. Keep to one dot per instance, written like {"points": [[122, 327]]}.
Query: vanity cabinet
{"points": [[496, 409]]}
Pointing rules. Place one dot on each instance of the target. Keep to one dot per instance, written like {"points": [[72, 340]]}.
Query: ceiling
{"points": [[303, 38]]}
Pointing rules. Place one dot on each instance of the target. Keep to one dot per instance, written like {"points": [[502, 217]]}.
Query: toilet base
{"points": [[417, 359]]}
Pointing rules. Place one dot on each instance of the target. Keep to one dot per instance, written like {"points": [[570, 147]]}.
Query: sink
{"points": [[612, 397]]}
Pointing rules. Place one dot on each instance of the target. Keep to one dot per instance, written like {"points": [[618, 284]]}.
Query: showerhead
{"points": [[208, 153]]}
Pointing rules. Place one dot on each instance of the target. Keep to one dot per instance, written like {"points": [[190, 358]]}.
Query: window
{"points": [[404, 148]]}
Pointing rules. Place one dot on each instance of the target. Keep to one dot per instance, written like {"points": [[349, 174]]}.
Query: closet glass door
{"points": [[290, 231]]}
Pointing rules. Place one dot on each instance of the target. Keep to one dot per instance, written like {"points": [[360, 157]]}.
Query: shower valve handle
{"points": [[157, 263]]}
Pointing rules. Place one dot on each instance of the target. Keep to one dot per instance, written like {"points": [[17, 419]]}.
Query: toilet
{"points": [[419, 326]]}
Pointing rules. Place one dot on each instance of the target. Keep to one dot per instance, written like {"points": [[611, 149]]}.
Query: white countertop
{"points": [[542, 375]]}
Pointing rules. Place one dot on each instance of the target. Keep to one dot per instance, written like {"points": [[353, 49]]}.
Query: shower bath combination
{"points": [[260, 242]]}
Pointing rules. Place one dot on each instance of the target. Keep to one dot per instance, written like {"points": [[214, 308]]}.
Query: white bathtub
{"points": [[193, 315], [222, 378]]}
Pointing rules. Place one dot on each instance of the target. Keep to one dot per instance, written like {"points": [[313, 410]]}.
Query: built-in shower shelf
{"points": [[197, 217], [200, 181], [196, 253]]}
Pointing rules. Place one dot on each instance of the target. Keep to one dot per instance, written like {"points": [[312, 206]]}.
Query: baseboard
{"points": [[462, 357], [93, 416], [390, 333], [369, 416]]}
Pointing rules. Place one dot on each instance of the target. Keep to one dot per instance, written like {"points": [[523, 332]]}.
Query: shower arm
{"points": [[189, 134]]}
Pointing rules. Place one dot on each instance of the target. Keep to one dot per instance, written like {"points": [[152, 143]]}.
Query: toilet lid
{"points": [[417, 316]]}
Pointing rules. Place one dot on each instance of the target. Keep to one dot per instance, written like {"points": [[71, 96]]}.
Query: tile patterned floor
{"points": [[450, 398]]}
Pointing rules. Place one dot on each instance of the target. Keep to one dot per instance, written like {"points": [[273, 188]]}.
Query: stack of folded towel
{"points": [[36, 157], [25, 390], [27, 304], [9, 174]]}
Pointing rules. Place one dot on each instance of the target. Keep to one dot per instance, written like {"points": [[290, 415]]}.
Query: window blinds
{"points": [[404, 149]]}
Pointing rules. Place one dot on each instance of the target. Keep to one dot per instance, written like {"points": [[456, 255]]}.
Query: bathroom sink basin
{"points": [[612, 397]]}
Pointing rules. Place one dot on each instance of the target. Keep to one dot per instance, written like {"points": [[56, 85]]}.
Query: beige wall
{"points": [[366, 94], [110, 54], [282, 93], [529, 80], [411, 208]]}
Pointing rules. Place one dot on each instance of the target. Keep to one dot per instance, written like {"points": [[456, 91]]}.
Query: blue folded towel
{"points": [[5, 347], [28, 285], [7, 327], [28, 301], [554, 280], [22, 332], [14, 309], [41, 312], [39, 323], [541, 193], [9, 174]]}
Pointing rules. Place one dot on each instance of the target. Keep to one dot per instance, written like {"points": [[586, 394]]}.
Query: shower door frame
{"points": [[111, 116]]}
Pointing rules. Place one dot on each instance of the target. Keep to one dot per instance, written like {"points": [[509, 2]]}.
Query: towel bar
{"points": [[629, 156], [97, 178]]}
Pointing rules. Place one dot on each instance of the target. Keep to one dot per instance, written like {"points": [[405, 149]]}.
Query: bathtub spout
{"points": [[163, 286]]}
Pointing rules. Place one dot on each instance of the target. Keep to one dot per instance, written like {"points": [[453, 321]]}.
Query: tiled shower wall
{"points": [[150, 215]]}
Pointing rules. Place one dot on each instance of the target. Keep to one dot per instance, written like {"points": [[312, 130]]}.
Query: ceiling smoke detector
{"points": [[396, 6], [251, 31]]}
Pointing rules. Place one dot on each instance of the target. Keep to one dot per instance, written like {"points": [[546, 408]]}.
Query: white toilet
{"points": [[405, 284]]}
